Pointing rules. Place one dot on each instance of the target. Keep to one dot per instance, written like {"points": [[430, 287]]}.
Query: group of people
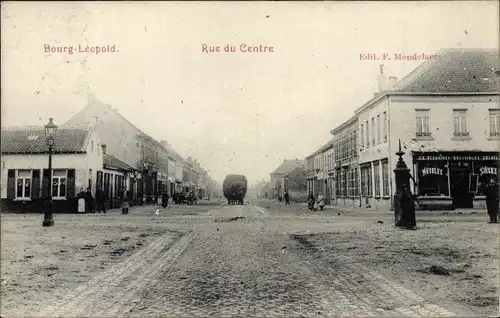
{"points": [[89, 204], [314, 204]]}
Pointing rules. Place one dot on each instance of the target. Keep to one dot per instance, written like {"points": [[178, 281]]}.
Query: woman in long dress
{"points": [[125, 206]]}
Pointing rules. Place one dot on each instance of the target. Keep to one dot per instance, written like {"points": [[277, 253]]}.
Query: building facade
{"points": [[448, 128], [319, 180], [347, 172], [77, 161]]}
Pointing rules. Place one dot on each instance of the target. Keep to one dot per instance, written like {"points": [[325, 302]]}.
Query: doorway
{"points": [[459, 187]]}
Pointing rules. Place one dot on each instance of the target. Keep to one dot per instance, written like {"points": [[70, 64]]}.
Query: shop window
{"points": [[433, 178], [337, 183], [460, 122], [385, 178], [483, 173], [422, 118], [59, 183], [376, 175], [363, 181], [494, 122], [23, 181]]}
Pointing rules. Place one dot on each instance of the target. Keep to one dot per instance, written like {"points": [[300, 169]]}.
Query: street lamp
{"points": [[50, 131]]}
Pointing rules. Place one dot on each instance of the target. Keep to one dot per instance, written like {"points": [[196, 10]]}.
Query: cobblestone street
{"points": [[241, 261]]}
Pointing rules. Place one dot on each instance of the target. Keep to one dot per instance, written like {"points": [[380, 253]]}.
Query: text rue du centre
{"points": [[229, 48]]}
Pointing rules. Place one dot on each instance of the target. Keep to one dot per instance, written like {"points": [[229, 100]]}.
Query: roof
{"points": [[322, 149], [110, 161], [32, 139], [455, 71], [345, 124], [288, 166]]}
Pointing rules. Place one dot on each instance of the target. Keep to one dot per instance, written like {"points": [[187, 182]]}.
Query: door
{"points": [[459, 186]]}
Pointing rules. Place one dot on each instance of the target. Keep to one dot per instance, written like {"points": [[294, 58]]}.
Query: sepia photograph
{"points": [[250, 159]]}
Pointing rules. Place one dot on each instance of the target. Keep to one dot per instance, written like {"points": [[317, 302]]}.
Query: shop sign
{"points": [[433, 171], [457, 158], [488, 170]]}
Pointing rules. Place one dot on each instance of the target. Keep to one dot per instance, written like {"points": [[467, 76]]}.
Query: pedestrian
{"points": [[89, 201], [99, 197], [81, 201], [321, 201], [125, 206], [492, 201], [164, 199], [287, 198], [408, 208], [310, 201]]}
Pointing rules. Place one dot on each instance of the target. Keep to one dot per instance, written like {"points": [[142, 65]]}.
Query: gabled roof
{"points": [[288, 166], [32, 139], [110, 161]]}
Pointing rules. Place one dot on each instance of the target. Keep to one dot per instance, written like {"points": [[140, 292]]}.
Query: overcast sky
{"points": [[235, 112]]}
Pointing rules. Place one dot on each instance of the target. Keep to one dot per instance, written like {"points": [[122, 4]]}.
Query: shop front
{"points": [[453, 179]]}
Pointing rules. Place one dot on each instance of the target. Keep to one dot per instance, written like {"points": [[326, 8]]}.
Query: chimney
{"points": [[392, 82], [382, 79], [103, 149]]}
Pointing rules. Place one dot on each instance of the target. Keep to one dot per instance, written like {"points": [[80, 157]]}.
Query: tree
{"points": [[297, 179]]}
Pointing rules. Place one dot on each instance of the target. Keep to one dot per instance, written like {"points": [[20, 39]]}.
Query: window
{"points": [[90, 179], [59, 178], [460, 122], [367, 135], [423, 122], [385, 126], [369, 183], [385, 178], [378, 129], [362, 135], [373, 130], [343, 182], [337, 183], [376, 174], [356, 182], [494, 122], [433, 178], [92, 146], [23, 190]]}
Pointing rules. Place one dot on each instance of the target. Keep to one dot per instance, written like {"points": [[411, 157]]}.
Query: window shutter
{"points": [[70, 194], [35, 185], [45, 184], [11, 184]]}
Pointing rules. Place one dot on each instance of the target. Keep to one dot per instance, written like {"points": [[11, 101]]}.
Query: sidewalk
{"points": [[363, 210]]}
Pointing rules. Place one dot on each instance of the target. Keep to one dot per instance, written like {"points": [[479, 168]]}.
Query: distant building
{"points": [[129, 144], [319, 177], [278, 175]]}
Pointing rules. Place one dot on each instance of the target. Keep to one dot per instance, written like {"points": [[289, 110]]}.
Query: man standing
{"points": [[492, 201], [99, 196], [89, 201], [287, 198]]}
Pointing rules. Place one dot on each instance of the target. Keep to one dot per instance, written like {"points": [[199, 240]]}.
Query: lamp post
{"points": [[50, 131]]}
